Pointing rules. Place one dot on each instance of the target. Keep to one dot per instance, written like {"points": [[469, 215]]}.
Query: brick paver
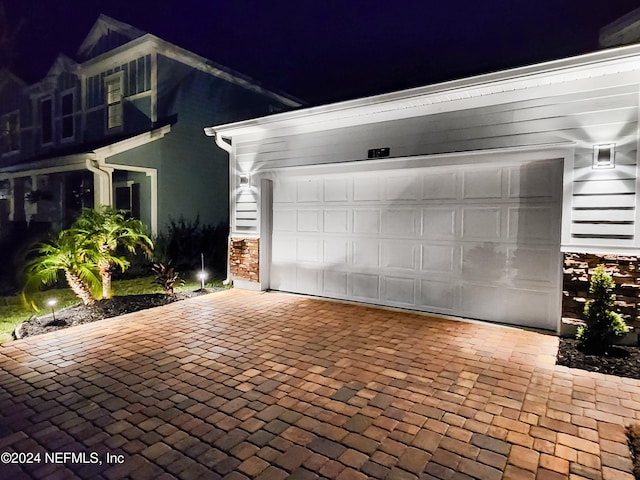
{"points": [[245, 385]]}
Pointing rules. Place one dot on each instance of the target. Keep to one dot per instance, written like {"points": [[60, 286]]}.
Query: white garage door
{"points": [[477, 242]]}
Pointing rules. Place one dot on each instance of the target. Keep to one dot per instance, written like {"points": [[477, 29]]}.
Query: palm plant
{"points": [[108, 229], [69, 254]]}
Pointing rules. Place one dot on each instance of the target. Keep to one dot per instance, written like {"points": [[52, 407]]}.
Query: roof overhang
{"points": [[508, 85], [78, 161]]}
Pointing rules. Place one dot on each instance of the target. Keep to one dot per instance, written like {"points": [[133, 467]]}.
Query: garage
{"points": [[490, 197], [477, 241]]}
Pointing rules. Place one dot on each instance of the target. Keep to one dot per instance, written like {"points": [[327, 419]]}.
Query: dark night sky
{"points": [[328, 50]]}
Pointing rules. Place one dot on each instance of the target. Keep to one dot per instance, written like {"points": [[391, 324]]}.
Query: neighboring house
{"points": [[465, 198], [122, 126]]}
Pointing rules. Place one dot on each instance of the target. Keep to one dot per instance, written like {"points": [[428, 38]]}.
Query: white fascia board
{"points": [[51, 165], [124, 53], [100, 28], [194, 60], [130, 143], [405, 103]]}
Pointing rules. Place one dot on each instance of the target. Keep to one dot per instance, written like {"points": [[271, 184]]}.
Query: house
{"points": [[121, 125], [486, 197]]}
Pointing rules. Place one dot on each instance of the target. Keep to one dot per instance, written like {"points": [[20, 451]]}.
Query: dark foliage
{"points": [[167, 277], [184, 241], [16, 241]]}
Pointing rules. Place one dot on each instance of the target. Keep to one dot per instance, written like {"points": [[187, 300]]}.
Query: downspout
{"points": [[104, 196], [210, 132]]}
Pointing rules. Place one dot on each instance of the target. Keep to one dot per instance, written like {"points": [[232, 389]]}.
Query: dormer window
{"points": [[10, 132], [114, 94]]}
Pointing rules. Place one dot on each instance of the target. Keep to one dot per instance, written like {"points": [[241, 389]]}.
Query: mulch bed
{"points": [[623, 361], [100, 310]]}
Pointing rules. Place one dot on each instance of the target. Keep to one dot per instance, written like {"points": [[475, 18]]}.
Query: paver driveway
{"points": [[242, 385]]}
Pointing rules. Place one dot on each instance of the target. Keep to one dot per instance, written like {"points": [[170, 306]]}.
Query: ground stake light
{"points": [[52, 303]]}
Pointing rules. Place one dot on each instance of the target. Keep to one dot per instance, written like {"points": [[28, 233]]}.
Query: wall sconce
{"points": [[604, 155], [245, 180]]}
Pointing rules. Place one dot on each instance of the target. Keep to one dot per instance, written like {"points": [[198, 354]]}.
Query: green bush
{"points": [[183, 241], [603, 325]]}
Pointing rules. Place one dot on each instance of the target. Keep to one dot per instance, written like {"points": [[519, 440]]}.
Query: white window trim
{"points": [[108, 78], [61, 116]]}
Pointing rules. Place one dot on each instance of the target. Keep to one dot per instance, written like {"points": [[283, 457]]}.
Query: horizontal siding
{"points": [[602, 207]]}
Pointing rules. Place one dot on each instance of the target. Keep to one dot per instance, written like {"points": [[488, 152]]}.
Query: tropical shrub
{"points": [[109, 230], [603, 324], [167, 277], [70, 255]]}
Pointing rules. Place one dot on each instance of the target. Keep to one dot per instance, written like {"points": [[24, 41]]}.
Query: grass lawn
{"points": [[14, 312]]}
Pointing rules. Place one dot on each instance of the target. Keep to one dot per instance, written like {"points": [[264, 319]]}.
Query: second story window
{"points": [[114, 93], [66, 116], [46, 120], [10, 132]]}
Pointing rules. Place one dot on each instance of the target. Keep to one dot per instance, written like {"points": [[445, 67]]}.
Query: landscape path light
{"points": [[52, 303]]}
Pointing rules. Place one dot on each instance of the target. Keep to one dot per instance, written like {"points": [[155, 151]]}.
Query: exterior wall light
{"points": [[245, 180], [604, 155]]}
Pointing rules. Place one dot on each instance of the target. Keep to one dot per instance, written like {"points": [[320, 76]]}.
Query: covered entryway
{"points": [[479, 241]]}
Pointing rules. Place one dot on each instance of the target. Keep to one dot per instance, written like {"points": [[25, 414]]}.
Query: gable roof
{"points": [[459, 94], [104, 26], [8, 78], [621, 31]]}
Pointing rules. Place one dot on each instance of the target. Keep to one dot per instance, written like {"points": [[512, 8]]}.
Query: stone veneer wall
{"points": [[625, 270], [244, 259]]}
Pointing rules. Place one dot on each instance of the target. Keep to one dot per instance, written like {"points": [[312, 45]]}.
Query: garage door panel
{"points": [[366, 189], [283, 276], [475, 241], [309, 221], [309, 190], [284, 191], [527, 306], [439, 186], [485, 262], [482, 223], [533, 223], [336, 190], [366, 253], [405, 187], [309, 250], [400, 291], [530, 264], [398, 255], [399, 222], [532, 180], [308, 279], [366, 221], [335, 252], [335, 283], [485, 183], [284, 220], [336, 220], [480, 301], [283, 249], [439, 258], [437, 296], [439, 223], [366, 286]]}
